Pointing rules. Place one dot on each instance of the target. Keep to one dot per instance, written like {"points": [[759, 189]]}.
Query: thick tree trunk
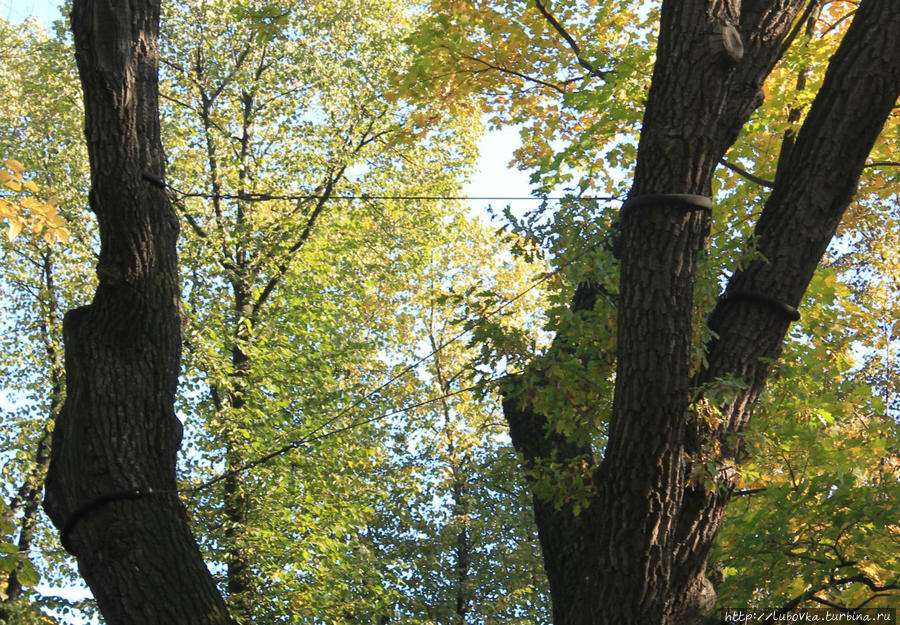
{"points": [[111, 483], [637, 555]]}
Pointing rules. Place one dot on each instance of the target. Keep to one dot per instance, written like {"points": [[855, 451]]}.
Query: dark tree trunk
{"points": [[117, 434], [28, 498], [239, 574], [637, 555]]}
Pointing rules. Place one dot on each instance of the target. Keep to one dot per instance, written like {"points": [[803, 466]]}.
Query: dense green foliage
{"points": [[42, 278]]}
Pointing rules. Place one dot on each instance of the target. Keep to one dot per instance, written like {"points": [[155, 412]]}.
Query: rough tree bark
{"points": [[117, 435], [637, 555]]}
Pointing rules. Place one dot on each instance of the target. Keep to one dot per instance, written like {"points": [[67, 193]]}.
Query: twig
{"points": [[746, 174], [576, 49]]}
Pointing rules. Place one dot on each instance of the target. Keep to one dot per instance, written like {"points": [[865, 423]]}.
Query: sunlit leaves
{"points": [[46, 269], [22, 207], [820, 481], [512, 60]]}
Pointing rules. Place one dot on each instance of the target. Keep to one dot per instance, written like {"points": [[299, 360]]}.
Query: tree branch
{"points": [[513, 72], [283, 266], [743, 173], [174, 100], [801, 24], [748, 491], [573, 45], [195, 226], [242, 56]]}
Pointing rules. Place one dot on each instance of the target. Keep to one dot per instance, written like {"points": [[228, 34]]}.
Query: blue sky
{"points": [[18, 10]]}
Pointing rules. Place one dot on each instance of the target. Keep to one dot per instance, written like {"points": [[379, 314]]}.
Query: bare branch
{"points": [[573, 45], [176, 101], [505, 70], [841, 19], [743, 173], [748, 491], [196, 227]]}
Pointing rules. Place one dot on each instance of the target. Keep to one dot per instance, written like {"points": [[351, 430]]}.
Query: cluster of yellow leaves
{"points": [[24, 207]]}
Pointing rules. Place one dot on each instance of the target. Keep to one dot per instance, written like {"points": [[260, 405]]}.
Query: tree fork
{"points": [[638, 554], [620, 565]]}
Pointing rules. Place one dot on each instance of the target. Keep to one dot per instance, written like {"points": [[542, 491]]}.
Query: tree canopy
{"points": [[298, 381]]}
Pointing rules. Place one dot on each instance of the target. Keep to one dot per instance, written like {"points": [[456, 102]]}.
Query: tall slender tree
{"points": [[269, 120]]}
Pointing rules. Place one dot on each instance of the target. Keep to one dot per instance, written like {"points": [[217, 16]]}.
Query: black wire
{"points": [[265, 197]]}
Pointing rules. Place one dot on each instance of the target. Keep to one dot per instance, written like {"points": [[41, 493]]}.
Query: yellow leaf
{"points": [[15, 227], [32, 186], [872, 571], [7, 208], [15, 165], [32, 204], [4, 176], [36, 226], [12, 184], [50, 236], [63, 234], [55, 221]]}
